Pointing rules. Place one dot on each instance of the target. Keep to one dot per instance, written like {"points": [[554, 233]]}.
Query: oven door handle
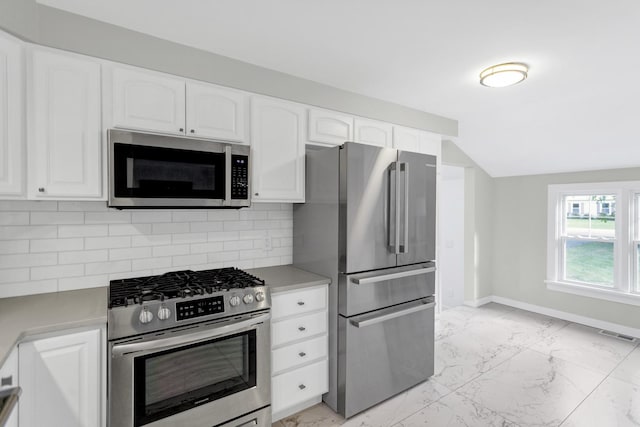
{"points": [[233, 326]]}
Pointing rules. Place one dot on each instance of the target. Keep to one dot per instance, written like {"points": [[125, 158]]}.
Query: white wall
{"points": [[58, 246], [520, 244]]}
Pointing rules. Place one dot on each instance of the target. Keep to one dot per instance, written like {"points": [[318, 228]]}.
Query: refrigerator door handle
{"points": [[368, 321], [404, 247], [394, 236], [392, 276]]}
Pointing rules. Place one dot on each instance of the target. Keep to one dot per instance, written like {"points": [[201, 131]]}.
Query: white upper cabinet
{"points": [[215, 112], [11, 117], [278, 144], [373, 132], [416, 140], [62, 380], [329, 127], [65, 132], [146, 100]]}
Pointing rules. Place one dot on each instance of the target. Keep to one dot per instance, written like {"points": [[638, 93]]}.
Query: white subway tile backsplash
{"points": [[129, 229], [10, 275], [151, 263], [57, 245], [199, 227], [27, 260], [182, 238], [28, 232], [14, 218], [82, 230], [188, 216], [170, 250], [170, 228], [14, 246], [44, 218], [57, 271], [107, 242], [27, 205], [107, 267], [109, 217], [201, 248], [76, 257], [186, 260], [130, 253], [152, 240], [48, 246], [71, 283], [151, 216], [31, 287]]}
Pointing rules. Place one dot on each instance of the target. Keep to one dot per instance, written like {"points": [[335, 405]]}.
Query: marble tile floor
{"points": [[500, 366]]}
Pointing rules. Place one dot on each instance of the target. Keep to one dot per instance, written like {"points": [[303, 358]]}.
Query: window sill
{"points": [[587, 291]]}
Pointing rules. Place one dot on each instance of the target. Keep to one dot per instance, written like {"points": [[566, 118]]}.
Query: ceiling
{"points": [[578, 110]]}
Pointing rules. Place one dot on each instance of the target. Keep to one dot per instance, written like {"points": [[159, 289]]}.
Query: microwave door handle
{"points": [[190, 338], [227, 176]]}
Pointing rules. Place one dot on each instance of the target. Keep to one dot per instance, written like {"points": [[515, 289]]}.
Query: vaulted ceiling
{"points": [[578, 110]]}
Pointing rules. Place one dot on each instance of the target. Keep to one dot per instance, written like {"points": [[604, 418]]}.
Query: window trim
{"points": [[625, 248]]}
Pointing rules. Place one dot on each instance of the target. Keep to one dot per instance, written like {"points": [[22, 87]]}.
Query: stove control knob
{"points": [[248, 298], [164, 313], [259, 296], [145, 316], [234, 301]]}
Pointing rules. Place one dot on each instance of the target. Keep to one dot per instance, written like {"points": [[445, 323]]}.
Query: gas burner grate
{"points": [[178, 284]]}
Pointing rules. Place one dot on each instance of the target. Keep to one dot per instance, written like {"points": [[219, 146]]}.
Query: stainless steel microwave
{"points": [[155, 171]]}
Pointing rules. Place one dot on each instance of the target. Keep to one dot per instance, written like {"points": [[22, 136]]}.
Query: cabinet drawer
{"points": [[297, 386], [298, 354], [298, 328], [298, 302]]}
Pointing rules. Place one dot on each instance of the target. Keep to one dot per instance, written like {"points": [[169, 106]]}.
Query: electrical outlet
{"points": [[268, 244]]}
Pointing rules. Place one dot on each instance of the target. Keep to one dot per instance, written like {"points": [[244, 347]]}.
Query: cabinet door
{"points": [[416, 140], [148, 101], [11, 117], [65, 132], [61, 380], [9, 378], [214, 112], [373, 132], [277, 142], [329, 127]]}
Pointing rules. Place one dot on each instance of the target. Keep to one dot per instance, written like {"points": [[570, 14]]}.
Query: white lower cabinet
{"points": [[62, 380], [299, 349], [9, 379]]}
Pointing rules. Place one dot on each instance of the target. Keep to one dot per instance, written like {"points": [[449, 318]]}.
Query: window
{"points": [[593, 242]]}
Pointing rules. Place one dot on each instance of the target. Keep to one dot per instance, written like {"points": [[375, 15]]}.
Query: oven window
{"points": [[176, 380], [156, 172]]}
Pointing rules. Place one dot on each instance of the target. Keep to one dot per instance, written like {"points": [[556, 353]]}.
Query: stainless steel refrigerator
{"points": [[369, 224]]}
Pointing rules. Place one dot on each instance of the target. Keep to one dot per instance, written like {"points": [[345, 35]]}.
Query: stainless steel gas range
{"points": [[189, 349]]}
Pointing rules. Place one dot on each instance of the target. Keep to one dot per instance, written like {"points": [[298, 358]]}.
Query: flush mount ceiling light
{"points": [[503, 75]]}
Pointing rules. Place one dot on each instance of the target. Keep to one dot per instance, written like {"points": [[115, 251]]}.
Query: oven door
{"points": [[200, 375]]}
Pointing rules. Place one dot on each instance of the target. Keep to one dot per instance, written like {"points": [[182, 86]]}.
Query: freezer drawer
{"points": [[383, 353], [359, 293]]}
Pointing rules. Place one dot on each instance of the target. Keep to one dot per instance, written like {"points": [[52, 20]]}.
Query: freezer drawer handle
{"points": [[391, 276], [253, 422], [388, 316]]}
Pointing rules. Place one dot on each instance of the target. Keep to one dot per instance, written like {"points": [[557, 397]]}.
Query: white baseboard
{"points": [[479, 302], [575, 318]]}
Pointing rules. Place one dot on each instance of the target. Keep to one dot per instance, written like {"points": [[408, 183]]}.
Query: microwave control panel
{"points": [[201, 307], [239, 177]]}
